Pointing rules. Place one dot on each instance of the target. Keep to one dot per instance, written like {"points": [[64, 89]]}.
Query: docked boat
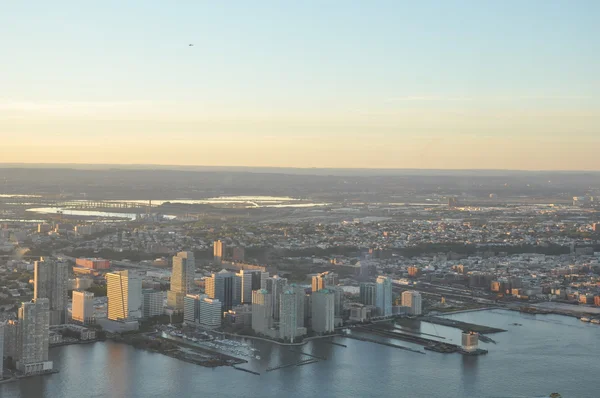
{"points": [[596, 321], [584, 319]]}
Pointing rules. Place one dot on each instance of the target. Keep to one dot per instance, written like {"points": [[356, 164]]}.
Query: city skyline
{"points": [[306, 198], [496, 86]]}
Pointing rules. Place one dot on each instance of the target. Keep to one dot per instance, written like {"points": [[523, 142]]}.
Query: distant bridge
{"points": [[90, 204], [15, 256], [76, 204]]}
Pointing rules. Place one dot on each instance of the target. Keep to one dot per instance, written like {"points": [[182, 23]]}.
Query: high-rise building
{"points": [[383, 296], [300, 293], [152, 303], [211, 313], [184, 270], [33, 337], [218, 249], [11, 338], [412, 299], [257, 278], [318, 283], [124, 290], [83, 307], [51, 280], [237, 289], [202, 310], [307, 310], [221, 286], [288, 322], [182, 279], [368, 293], [263, 279], [250, 281], [276, 286], [339, 301], [323, 311], [175, 300], [262, 311], [323, 280], [191, 308]]}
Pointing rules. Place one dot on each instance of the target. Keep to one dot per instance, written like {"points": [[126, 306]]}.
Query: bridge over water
{"points": [[76, 204]]}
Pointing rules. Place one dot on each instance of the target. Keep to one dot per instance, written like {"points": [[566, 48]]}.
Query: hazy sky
{"points": [[406, 84]]}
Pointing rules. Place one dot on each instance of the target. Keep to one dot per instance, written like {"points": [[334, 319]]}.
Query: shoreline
{"points": [[22, 377], [65, 343]]}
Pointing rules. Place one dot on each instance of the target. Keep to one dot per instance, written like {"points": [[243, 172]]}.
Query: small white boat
{"points": [[596, 321], [584, 319]]}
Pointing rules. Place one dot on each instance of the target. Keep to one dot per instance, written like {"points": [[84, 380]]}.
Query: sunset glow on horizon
{"points": [[452, 85]]}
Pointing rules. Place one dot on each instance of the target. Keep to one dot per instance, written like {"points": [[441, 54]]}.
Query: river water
{"points": [[548, 353]]}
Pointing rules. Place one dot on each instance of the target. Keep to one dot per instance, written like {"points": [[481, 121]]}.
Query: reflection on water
{"points": [[531, 360], [18, 196], [246, 201], [21, 221]]}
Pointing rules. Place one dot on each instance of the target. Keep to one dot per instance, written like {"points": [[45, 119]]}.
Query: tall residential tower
{"points": [[33, 337], [221, 286], [51, 281], [383, 296], [182, 279]]}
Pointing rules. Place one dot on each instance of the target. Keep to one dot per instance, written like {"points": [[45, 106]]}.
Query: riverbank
{"points": [[64, 343], [575, 312], [21, 377]]}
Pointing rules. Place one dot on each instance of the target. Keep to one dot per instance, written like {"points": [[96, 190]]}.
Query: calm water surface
{"points": [[546, 354]]}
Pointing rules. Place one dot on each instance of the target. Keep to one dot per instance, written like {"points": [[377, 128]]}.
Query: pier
{"points": [[307, 362], [309, 355], [428, 344], [384, 343], [289, 365], [246, 370], [464, 326]]}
